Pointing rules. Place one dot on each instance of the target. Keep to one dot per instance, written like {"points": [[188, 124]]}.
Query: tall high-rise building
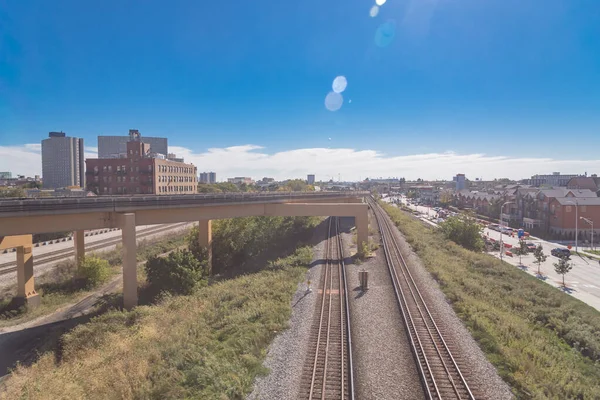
{"points": [[5, 175], [62, 161], [116, 146], [208, 177], [310, 179], [460, 182]]}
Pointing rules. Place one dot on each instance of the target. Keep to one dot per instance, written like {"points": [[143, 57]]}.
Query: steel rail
{"points": [[329, 334], [448, 362]]}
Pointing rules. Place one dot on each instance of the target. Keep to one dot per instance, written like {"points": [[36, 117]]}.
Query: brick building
{"points": [[140, 172], [563, 216]]}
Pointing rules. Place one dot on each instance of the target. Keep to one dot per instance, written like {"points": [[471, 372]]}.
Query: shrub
{"points": [[93, 271], [178, 273], [463, 230]]}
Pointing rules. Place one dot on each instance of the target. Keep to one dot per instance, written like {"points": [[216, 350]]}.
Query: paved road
{"points": [[583, 282]]}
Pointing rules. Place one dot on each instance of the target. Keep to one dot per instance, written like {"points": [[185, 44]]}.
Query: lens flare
{"points": [[333, 101], [339, 84], [385, 33], [380, 2], [374, 11]]}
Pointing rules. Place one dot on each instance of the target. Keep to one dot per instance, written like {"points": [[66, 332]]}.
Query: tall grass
{"points": [[208, 345], [543, 342], [61, 286]]}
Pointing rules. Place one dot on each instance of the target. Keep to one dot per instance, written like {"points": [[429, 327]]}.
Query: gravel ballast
{"points": [[383, 362], [480, 373], [287, 352]]}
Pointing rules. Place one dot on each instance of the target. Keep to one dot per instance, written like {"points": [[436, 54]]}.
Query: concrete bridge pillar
{"points": [[130, 295], [79, 243], [25, 280], [205, 239], [361, 221]]}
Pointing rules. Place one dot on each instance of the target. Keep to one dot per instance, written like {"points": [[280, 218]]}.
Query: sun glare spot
{"points": [[380, 2], [374, 11]]}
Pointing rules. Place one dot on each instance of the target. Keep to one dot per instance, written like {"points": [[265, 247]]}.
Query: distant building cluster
{"points": [[208, 177], [238, 180]]}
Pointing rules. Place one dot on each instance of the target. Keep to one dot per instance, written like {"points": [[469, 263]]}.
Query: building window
{"points": [[118, 168], [568, 209], [109, 179], [110, 168], [137, 168], [104, 168], [104, 179], [137, 188], [96, 168], [105, 189], [96, 179], [583, 209]]}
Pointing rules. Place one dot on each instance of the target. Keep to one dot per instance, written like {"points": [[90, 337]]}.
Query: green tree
{"points": [[521, 251], [464, 230], [540, 257], [446, 198], [562, 267], [178, 273], [32, 185], [15, 192]]}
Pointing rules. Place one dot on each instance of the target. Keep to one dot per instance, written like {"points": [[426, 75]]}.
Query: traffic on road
{"points": [[582, 282]]}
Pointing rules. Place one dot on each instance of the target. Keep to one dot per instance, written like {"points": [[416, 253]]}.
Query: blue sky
{"points": [[508, 78]]}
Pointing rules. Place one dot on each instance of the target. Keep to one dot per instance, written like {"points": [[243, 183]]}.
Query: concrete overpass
{"points": [[19, 219]]}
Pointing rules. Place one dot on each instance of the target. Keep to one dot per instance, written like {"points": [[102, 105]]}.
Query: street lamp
{"points": [[589, 221], [501, 243], [576, 219]]}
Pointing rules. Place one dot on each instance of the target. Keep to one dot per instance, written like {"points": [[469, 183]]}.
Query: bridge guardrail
{"points": [[114, 203]]}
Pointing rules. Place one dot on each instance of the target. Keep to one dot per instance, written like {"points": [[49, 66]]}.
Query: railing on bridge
{"points": [[116, 203]]}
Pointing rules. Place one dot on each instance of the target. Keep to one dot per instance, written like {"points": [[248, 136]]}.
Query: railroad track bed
{"points": [[7, 268], [328, 371], [450, 363]]}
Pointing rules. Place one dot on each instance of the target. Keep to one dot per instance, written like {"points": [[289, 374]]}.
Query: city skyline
{"points": [[415, 80], [332, 163]]}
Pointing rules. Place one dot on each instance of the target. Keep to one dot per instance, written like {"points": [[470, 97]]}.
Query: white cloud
{"points": [[327, 163]]}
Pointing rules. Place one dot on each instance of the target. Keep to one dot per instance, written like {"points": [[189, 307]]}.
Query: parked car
{"points": [[494, 227], [558, 252], [531, 246]]}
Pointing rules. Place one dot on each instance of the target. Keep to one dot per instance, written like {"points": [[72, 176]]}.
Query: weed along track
{"points": [[328, 372], [439, 371]]}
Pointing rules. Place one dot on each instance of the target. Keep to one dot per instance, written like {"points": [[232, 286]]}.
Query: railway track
{"points": [[438, 369], [328, 371], [7, 268]]}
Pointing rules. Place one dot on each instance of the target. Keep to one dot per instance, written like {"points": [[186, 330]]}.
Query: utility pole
{"points": [[501, 242], [576, 228], [589, 221]]}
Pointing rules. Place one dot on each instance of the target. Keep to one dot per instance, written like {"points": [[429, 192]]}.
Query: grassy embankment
{"points": [[207, 345], [543, 342], [60, 286]]}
